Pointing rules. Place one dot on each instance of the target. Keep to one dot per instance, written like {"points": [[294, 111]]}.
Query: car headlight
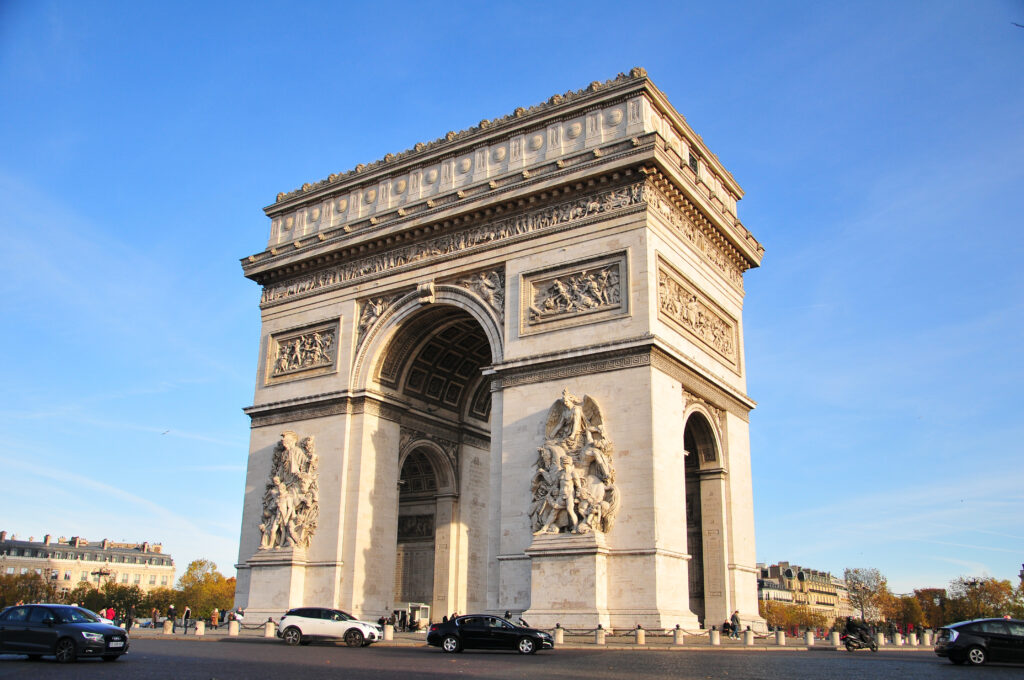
{"points": [[92, 637]]}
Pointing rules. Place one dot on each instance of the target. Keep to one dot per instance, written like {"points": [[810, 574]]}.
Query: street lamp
{"points": [[972, 587]]}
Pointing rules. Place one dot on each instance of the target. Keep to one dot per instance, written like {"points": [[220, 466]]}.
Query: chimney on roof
{"points": [[46, 539], [157, 548], [145, 547], [76, 541], [3, 535], [105, 544]]}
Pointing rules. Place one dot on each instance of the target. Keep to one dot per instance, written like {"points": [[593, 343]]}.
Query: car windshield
{"points": [[75, 615]]}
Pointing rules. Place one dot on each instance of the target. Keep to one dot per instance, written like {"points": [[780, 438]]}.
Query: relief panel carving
{"points": [[303, 352], [682, 305], [291, 505], [489, 286], [570, 296]]}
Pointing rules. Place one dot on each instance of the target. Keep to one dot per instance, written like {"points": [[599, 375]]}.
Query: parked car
{"points": [[982, 640], [59, 630], [482, 631], [305, 624]]}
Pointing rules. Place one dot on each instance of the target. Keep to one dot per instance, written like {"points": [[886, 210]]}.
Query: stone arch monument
{"points": [[504, 370]]}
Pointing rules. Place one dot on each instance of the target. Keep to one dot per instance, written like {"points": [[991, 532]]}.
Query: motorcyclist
{"points": [[857, 629]]}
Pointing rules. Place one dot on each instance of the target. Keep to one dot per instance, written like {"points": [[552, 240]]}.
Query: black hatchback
{"points": [[981, 640], [59, 630], [481, 631]]}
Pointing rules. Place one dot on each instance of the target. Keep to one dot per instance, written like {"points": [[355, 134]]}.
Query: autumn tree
{"points": [[973, 598], [933, 605], [867, 587], [203, 588]]}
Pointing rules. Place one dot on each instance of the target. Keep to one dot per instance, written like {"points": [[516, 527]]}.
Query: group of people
{"points": [[732, 627]]}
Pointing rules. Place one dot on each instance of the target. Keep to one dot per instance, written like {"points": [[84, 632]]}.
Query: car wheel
{"points": [[874, 646], [526, 645], [65, 651], [976, 656], [354, 637], [292, 635], [111, 657], [451, 644]]}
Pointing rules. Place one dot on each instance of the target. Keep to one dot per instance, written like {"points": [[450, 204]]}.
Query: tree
{"points": [[973, 598], [933, 605], [27, 587], [911, 612], [865, 585], [203, 588]]}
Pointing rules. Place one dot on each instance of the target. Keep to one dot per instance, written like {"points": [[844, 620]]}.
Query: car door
{"points": [[13, 627], [40, 633], [1016, 646], [997, 636], [503, 635], [474, 632]]}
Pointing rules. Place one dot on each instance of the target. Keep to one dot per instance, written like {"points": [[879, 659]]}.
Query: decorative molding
{"points": [[567, 368], [319, 406], [584, 292], [687, 221], [557, 215], [696, 385], [303, 352], [685, 307]]}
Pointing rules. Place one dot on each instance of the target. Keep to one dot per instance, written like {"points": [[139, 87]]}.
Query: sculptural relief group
{"points": [[573, 486], [291, 500]]}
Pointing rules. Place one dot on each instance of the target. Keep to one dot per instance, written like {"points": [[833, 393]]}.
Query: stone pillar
{"points": [[269, 630], [897, 639], [880, 639], [780, 638], [717, 604], [599, 635], [446, 562], [748, 637], [389, 631], [715, 636], [168, 627], [641, 635], [200, 627], [559, 634], [912, 640], [928, 638], [834, 639], [581, 600], [233, 628], [809, 638], [677, 635]]}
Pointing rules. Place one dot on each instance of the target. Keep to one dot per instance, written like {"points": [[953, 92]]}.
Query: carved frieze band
{"points": [[571, 369], [550, 217], [574, 295], [320, 406], [415, 527], [700, 237], [682, 304], [302, 352]]}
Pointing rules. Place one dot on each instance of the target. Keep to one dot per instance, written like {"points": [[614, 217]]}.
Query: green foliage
{"points": [[30, 587], [203, 588], [785, 615]]}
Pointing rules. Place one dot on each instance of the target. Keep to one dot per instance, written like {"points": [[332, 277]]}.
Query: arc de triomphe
{"points": [[505, 370]]}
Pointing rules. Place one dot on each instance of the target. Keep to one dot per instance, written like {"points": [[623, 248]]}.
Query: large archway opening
{"points": [[701, 451], [434, 364]]}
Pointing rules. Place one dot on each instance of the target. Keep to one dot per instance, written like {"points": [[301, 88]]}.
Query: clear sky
{"points": [[880, 145]]}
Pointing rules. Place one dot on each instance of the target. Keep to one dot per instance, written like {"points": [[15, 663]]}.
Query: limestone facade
{"points": [[519, 351]]}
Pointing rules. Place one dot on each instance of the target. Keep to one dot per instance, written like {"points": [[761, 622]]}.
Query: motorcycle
{"points": [[853, 642]]}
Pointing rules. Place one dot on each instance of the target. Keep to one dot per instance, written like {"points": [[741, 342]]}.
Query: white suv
{"points": [[303, 625]]}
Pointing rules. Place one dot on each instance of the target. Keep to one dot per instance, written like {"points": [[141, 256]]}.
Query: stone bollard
{"points": [[559, 634], [599, 635], [897, 639], [389, 631], [927, 638], [233, 628], [834, 638], [715, 636], [748, 637], [809, 638], [200, 627], [880, 639], [168, 627], [912, 639], [269, 631], [677, 635], [780, 638], [641, 635]]}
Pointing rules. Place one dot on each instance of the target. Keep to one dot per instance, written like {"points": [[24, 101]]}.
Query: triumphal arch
{"points": [[504, 370]]}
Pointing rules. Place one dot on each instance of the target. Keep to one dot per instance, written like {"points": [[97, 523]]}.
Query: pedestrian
{"points": [[508, 615], [129, 618], [173, 616], [214, 618], [185, 616], [154, 617], [735, 622], [444, 619], [726, 628]]}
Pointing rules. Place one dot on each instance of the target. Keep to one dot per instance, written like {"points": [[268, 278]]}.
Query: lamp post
{"points": [[972, 589]]}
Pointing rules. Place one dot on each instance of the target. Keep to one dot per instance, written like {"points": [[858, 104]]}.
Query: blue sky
{"points": [[880, 145]]}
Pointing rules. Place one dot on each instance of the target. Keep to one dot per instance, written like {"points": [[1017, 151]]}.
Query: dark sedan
{"points": [[481, 631], [61, 631], [976, 642]]}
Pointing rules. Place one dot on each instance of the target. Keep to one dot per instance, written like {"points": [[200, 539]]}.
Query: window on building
{"points": [[138, 579], [10, 570], [96, 578], [39, 571], [67, 575], [24, 570], [85, 576], [163, 580], [124, 578], [152, 579]]}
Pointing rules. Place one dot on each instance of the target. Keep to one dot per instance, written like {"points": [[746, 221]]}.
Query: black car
{"points": [[59, 630], [981, 640], [482, 631]]}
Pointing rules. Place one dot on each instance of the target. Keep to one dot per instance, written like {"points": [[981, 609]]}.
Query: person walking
{"points": [[185, 616], [154, 618], [214, 618], [735, 623], [129, 618], [173, 616]]}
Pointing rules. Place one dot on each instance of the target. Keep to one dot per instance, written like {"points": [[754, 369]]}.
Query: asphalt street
{"points": [[252, 658]]}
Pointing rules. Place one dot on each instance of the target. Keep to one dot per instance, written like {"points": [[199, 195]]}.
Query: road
{"points": [[232, 659]]}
